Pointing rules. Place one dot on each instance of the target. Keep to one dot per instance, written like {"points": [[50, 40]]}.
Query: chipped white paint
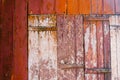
{"points": [[87, 38], [115, 46], [106, 30], [42, 58], [42, 20], [93, 39]]}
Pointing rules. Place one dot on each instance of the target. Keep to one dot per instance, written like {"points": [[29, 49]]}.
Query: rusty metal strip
{"points": [[42, 29], [97, 70]]}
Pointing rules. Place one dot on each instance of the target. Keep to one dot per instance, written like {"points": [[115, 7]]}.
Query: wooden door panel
{"points": [[97, 48], [66, 56]]}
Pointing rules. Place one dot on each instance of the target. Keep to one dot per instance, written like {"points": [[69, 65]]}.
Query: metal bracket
{"points": [[98, 70], [42, 28]]}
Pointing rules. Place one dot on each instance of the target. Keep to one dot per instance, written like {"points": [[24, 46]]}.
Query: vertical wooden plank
{"points": [[20, 40], [6, 42], [107, 55], [47, 60], [100, 6], [90, 49], [118, 49], [34, 6], [114, 55], [47, 6], [60, 6], [72, 7], [108, 6], [79, 46], [84, 6], [67, 57], [118, 46], [117, 4], [94, 6], [100, 53], [0, 39]]}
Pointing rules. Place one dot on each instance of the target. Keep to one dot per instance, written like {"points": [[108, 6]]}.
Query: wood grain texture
{"points": [[107, 55], [84, 6], [100, 47], [72, 7], [6, 39], [117, 2], [79, 45], [47, 6], [90, 49], [60, 6], [94, 6], [34, 6], [20, 41], [109, 6], [68, 54]]}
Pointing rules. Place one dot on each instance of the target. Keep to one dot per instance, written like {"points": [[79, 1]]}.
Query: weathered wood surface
{"points": [[42, 57], [97, 49], [74, 7], [67, 55], [115, 46]]}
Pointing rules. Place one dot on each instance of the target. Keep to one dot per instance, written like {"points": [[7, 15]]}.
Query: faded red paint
{"points": [[107, 55], [20, 41], [6, 39], [74, 6], [100, 56]]}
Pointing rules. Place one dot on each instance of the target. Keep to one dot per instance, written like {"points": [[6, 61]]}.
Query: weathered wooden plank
{"points": [[100, 53], [90, 48], [47, 6], [0, 39], [100, 6], [60, 6], [47, 55], [118, 49], [84, 6], [79, 45], [117, 5], [109, 6], [107, 55], [72, 7], [20, 40], [94, 6], [34, 6], [67, 53], [113, 37], [6, 39]]}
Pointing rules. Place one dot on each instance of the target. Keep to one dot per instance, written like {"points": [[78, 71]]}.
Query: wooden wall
{"points": [[74, 7], [13, 27]]}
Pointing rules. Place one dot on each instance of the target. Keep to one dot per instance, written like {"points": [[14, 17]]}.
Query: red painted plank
{"points": [[109, 7], [20, 40], [117, 2], [100, 52], [94, 6], [6, 42], [84, 6], [72, 7], [34, 6], [90, 48], [0, 40], [79, 45], [60, 6], [100, 6], [107, 57], [66, 55], [47, 6]]}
